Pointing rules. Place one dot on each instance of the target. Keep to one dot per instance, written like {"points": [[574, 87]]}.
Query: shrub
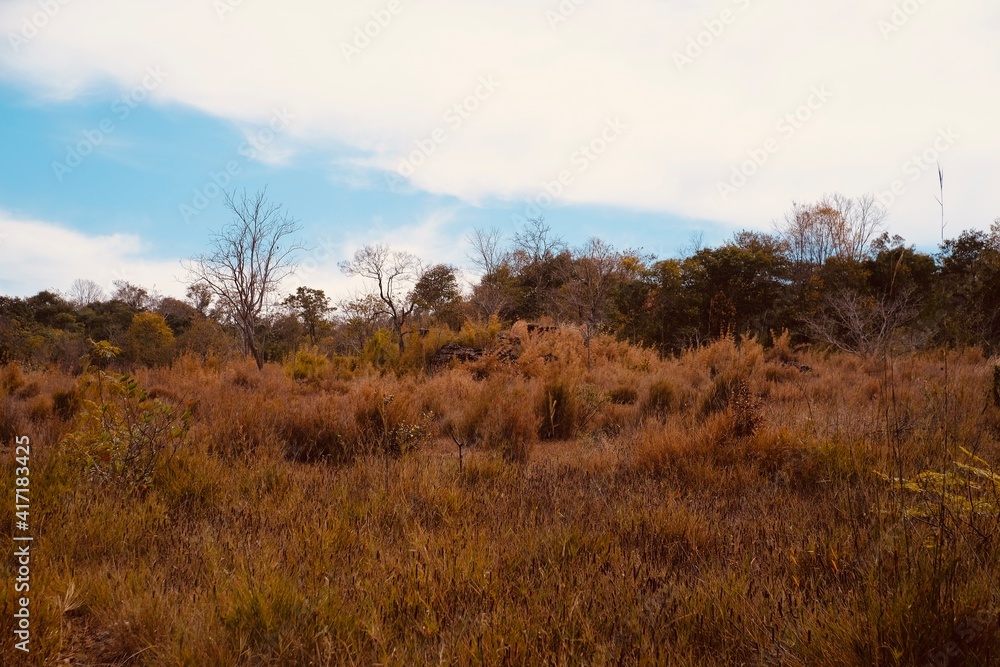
{"points": [[150, 340], [246, 377], [995, 388], [10, 422], [312, 434], [121, 433], [747, 414], [381, 351], [307, 365], [721, 392], [383, 427]]}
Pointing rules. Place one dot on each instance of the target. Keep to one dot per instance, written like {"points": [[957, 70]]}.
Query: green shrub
{"points": [[122, 434], [307, 365]]}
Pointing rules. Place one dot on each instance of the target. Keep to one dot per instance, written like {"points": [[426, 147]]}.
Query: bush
{"points": [[721, 393], [995, 388], [313, 434], [383, 426], [307, 365], [10, 421], [747, 414], [150, 339], [121, 433]]}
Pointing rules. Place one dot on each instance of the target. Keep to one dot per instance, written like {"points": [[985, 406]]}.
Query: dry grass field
{"points": [[733, 506]]}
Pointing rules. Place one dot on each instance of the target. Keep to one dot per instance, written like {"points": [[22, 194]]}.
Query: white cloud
{"points": [[558, 85], [429, 238], [42, 255]]}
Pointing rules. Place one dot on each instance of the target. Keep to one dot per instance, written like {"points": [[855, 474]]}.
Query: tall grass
{"points": [[731, 506]]}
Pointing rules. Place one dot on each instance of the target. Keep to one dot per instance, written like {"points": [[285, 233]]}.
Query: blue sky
{"points": [[662, 120]]}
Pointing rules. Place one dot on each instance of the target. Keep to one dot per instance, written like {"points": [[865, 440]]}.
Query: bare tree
{"points": [[836, 226], [588, 284], [394, 273], [536, 242], [860, 324], [487, 253], [489, 298], [535, 259], [248, 260], [83, 292], [360, 317]]}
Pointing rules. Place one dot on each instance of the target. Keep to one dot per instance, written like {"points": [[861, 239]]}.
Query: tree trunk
{"points": [[399, 337], [251, 347], [257, 357]]}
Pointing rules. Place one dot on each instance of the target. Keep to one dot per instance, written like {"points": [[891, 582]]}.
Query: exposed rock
{"points": [[455, 352]]}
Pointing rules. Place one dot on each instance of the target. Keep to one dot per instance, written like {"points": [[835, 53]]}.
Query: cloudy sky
{"points": [[643, 122]]}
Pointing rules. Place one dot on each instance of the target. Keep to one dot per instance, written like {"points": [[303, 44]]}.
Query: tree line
{"points": [[829, 274]]}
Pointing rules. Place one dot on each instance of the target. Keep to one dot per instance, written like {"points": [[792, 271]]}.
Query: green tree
{"points": [[750, 275], [310, 306], [437, 294]]}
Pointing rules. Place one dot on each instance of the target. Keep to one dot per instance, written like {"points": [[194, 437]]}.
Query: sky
{"points": [[646, 123]]}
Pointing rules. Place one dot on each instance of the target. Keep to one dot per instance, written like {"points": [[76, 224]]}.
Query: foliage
{"points": [[958, 497], [307, 365], [150, 339], [311, 306], [123, 435]]}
